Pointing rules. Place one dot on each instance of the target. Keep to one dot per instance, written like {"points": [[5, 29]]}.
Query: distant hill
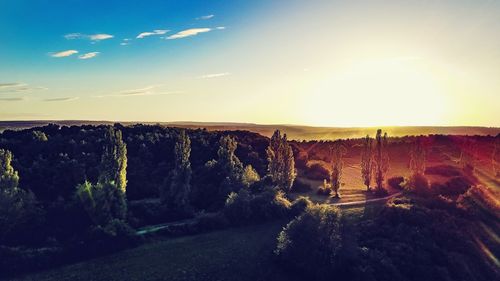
{"points": [[297, 132]]}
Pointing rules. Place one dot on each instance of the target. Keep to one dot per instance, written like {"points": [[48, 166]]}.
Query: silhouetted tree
{"points": [[468, 155], [180, 185], [495, 157], [381, 159], [337, 155], [106, 200], [230, 166], [281, 163], [367, 165], [417, 158], [18, 211], [114, 159]]}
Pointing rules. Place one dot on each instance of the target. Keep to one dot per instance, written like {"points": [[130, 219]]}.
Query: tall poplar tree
{"points": [[281, 163], [381, 159], [367, 163], [337, 154], [180, 185]]}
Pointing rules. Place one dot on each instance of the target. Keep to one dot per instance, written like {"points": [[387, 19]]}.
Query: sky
{"points": [[321, 63]]}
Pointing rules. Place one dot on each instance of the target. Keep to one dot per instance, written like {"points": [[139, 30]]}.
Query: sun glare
{"points": [[394, 91]]}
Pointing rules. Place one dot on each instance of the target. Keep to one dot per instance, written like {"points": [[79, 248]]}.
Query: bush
{"points": [[270, 204], [237, 208], [213, 221], [311, 242], [443, 170], [418, 184], [325, 191], [480, 199], [299, 205], [316, 171], [300, 187], [14, 260], [114, 236], [243, 207], [455, 186], [146, 211], [396, 182]]}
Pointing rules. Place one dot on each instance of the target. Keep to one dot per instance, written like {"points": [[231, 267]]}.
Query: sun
{"points": [[398, 91]]}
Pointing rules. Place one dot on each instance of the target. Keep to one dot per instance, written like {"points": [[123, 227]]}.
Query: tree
{"points": [[468, 156], [312, 242], [417, 158], [114, 159], [289, 171], [381, 160], [367, 164], [106, 200], [19, 215], [9, 178], [274, 157], [337, 154], [180, 185], [281, 163], [495, 157], [229, 164], [250, 176]]}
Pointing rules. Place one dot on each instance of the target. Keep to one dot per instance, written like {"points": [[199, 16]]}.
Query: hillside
{"points": [[294, 132]]}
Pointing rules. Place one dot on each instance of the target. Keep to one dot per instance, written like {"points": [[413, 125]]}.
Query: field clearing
{"points": [[243, 253], [234, 254]]}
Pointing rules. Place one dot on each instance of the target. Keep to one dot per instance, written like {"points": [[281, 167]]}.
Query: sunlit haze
{"points": [[320, 63]]}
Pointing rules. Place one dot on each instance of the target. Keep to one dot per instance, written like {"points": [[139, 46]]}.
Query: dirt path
{"points": [[366, 201], [154, 228]]}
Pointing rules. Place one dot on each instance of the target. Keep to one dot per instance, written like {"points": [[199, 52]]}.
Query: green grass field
{"points": [[233, 254]]}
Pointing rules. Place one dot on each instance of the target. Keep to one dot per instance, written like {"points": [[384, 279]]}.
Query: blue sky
{"points": [[335, 63]]}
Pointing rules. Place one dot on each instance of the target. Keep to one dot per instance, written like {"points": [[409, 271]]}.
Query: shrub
{"points": [[16, 259], [316, 171], [395, 182], [311, 242], [380, 191], [269, 204], [243, 207], [237, 208], [114, 236], [480, 199], [443, 170], [455, 186], [299, 205], [418, 184], [325, 191], [212, 221], [300, 187]]}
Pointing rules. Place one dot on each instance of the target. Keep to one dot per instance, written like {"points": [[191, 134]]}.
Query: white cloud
{"points": [[12, 99], [88, 55], [189, 32], [214, 75], [11, 85], [93, 37], [72, 36], [60, 99], [146, 91], [19, 88], [136, 92], [97, 37], [66, 53], [207, 17], [150, 33], [124, 43], [220, 27]]}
